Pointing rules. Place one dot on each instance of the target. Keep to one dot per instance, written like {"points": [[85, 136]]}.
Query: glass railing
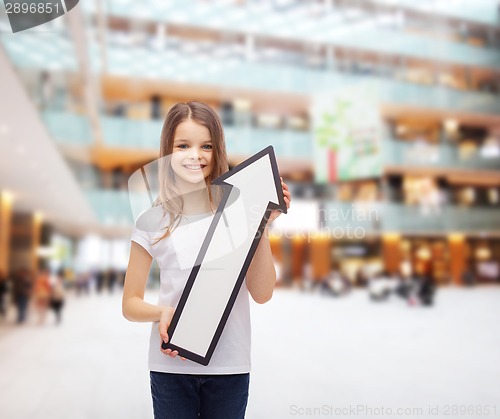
{"points": [[344, 219], [220, 72], [73, 129], [68, 128], [49, 50], [367, 31], [421, 154], [124, 132], [112, 207], [238, 73]]}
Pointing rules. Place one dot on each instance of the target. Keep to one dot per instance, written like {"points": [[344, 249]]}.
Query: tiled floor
{"points": [[313, 356]]}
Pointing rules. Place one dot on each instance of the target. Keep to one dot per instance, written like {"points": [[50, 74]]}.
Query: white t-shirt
{"points": [[176, 255]]}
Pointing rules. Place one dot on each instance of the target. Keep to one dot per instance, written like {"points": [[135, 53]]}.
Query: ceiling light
{"points": [[450, 125], [7, 197], [38, 216]]}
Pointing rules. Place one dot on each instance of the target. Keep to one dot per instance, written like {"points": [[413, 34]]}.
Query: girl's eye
{"points": [[184, 146], [207, 147]]}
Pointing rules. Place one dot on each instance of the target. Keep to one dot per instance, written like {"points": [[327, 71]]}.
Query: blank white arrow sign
{"points": [[225, 255]]}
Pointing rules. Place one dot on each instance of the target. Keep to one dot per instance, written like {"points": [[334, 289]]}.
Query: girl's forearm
{"points": [[135, 309], [261, 275]]}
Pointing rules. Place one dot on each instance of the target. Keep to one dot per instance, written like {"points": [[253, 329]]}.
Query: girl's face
{"points": [[192, 153]]}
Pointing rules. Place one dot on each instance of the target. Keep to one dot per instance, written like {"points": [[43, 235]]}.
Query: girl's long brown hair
{"points": [[170, 197]]}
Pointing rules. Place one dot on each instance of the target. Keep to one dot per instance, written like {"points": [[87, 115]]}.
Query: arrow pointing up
{"points": [[225, 255]]}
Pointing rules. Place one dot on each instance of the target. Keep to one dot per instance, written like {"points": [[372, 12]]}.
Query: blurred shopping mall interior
{"points": [[384, 116]]}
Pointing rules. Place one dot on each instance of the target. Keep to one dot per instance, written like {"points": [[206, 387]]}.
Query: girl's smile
{"points": [[195, 166]]}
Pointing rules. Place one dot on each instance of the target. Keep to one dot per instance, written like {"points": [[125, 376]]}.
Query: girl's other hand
{"points": [[288, 197], [165, 319]]}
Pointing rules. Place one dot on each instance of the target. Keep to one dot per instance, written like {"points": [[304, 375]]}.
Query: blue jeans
{"points": [[185, 396]]}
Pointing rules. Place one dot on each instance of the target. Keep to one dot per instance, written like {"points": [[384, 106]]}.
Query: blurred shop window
{"points": [[266, 120], [52, 93], [297, 123], [423, 76], [242, 112], [116, 109], [467, 150], [417, 130], [477, 40], [423, 191], [466, 196], [139, 111], [489, 270], [488, 86], [490, 148], [394, 191], [422, 151], [156, 107], [119, 179], [493, 196], [484, 255], [227, 113], [454, 80], [359, 192], [477, 196]]}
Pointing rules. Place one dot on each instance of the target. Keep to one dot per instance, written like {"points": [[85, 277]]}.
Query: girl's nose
{"points": [[195, 153]]}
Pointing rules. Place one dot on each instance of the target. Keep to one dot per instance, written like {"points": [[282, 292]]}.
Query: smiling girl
{"points": [[193, 154]]}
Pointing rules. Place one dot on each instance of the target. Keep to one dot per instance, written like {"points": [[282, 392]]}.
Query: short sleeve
{"points": [[142, 238]]}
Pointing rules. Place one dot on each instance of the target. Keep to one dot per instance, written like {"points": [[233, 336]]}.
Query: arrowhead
{"points": [[259, 177]]}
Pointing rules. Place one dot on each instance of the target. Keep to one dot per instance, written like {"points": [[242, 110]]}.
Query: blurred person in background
{"points": [[22, 288], [427, 290], [4, 289], [376, 287], [335, 284], [41, 295], [404, 286], [100, 278], [381, 286], [422, 290], [57, 296], [468, 277], [46, 90], [362, 278], [82, 283], [112, 277]]}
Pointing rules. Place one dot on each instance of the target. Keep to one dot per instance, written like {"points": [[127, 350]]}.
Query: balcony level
{"points": [[384, 32], [375, 218], [72, 129], [172, 66], [343, 219], [203, 70]]}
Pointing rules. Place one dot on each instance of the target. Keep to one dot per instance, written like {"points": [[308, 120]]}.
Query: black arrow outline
{"points": [[204, 360]]}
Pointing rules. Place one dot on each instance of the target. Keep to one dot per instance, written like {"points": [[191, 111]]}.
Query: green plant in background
{"points": [[347, 132], [334, 128]]}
